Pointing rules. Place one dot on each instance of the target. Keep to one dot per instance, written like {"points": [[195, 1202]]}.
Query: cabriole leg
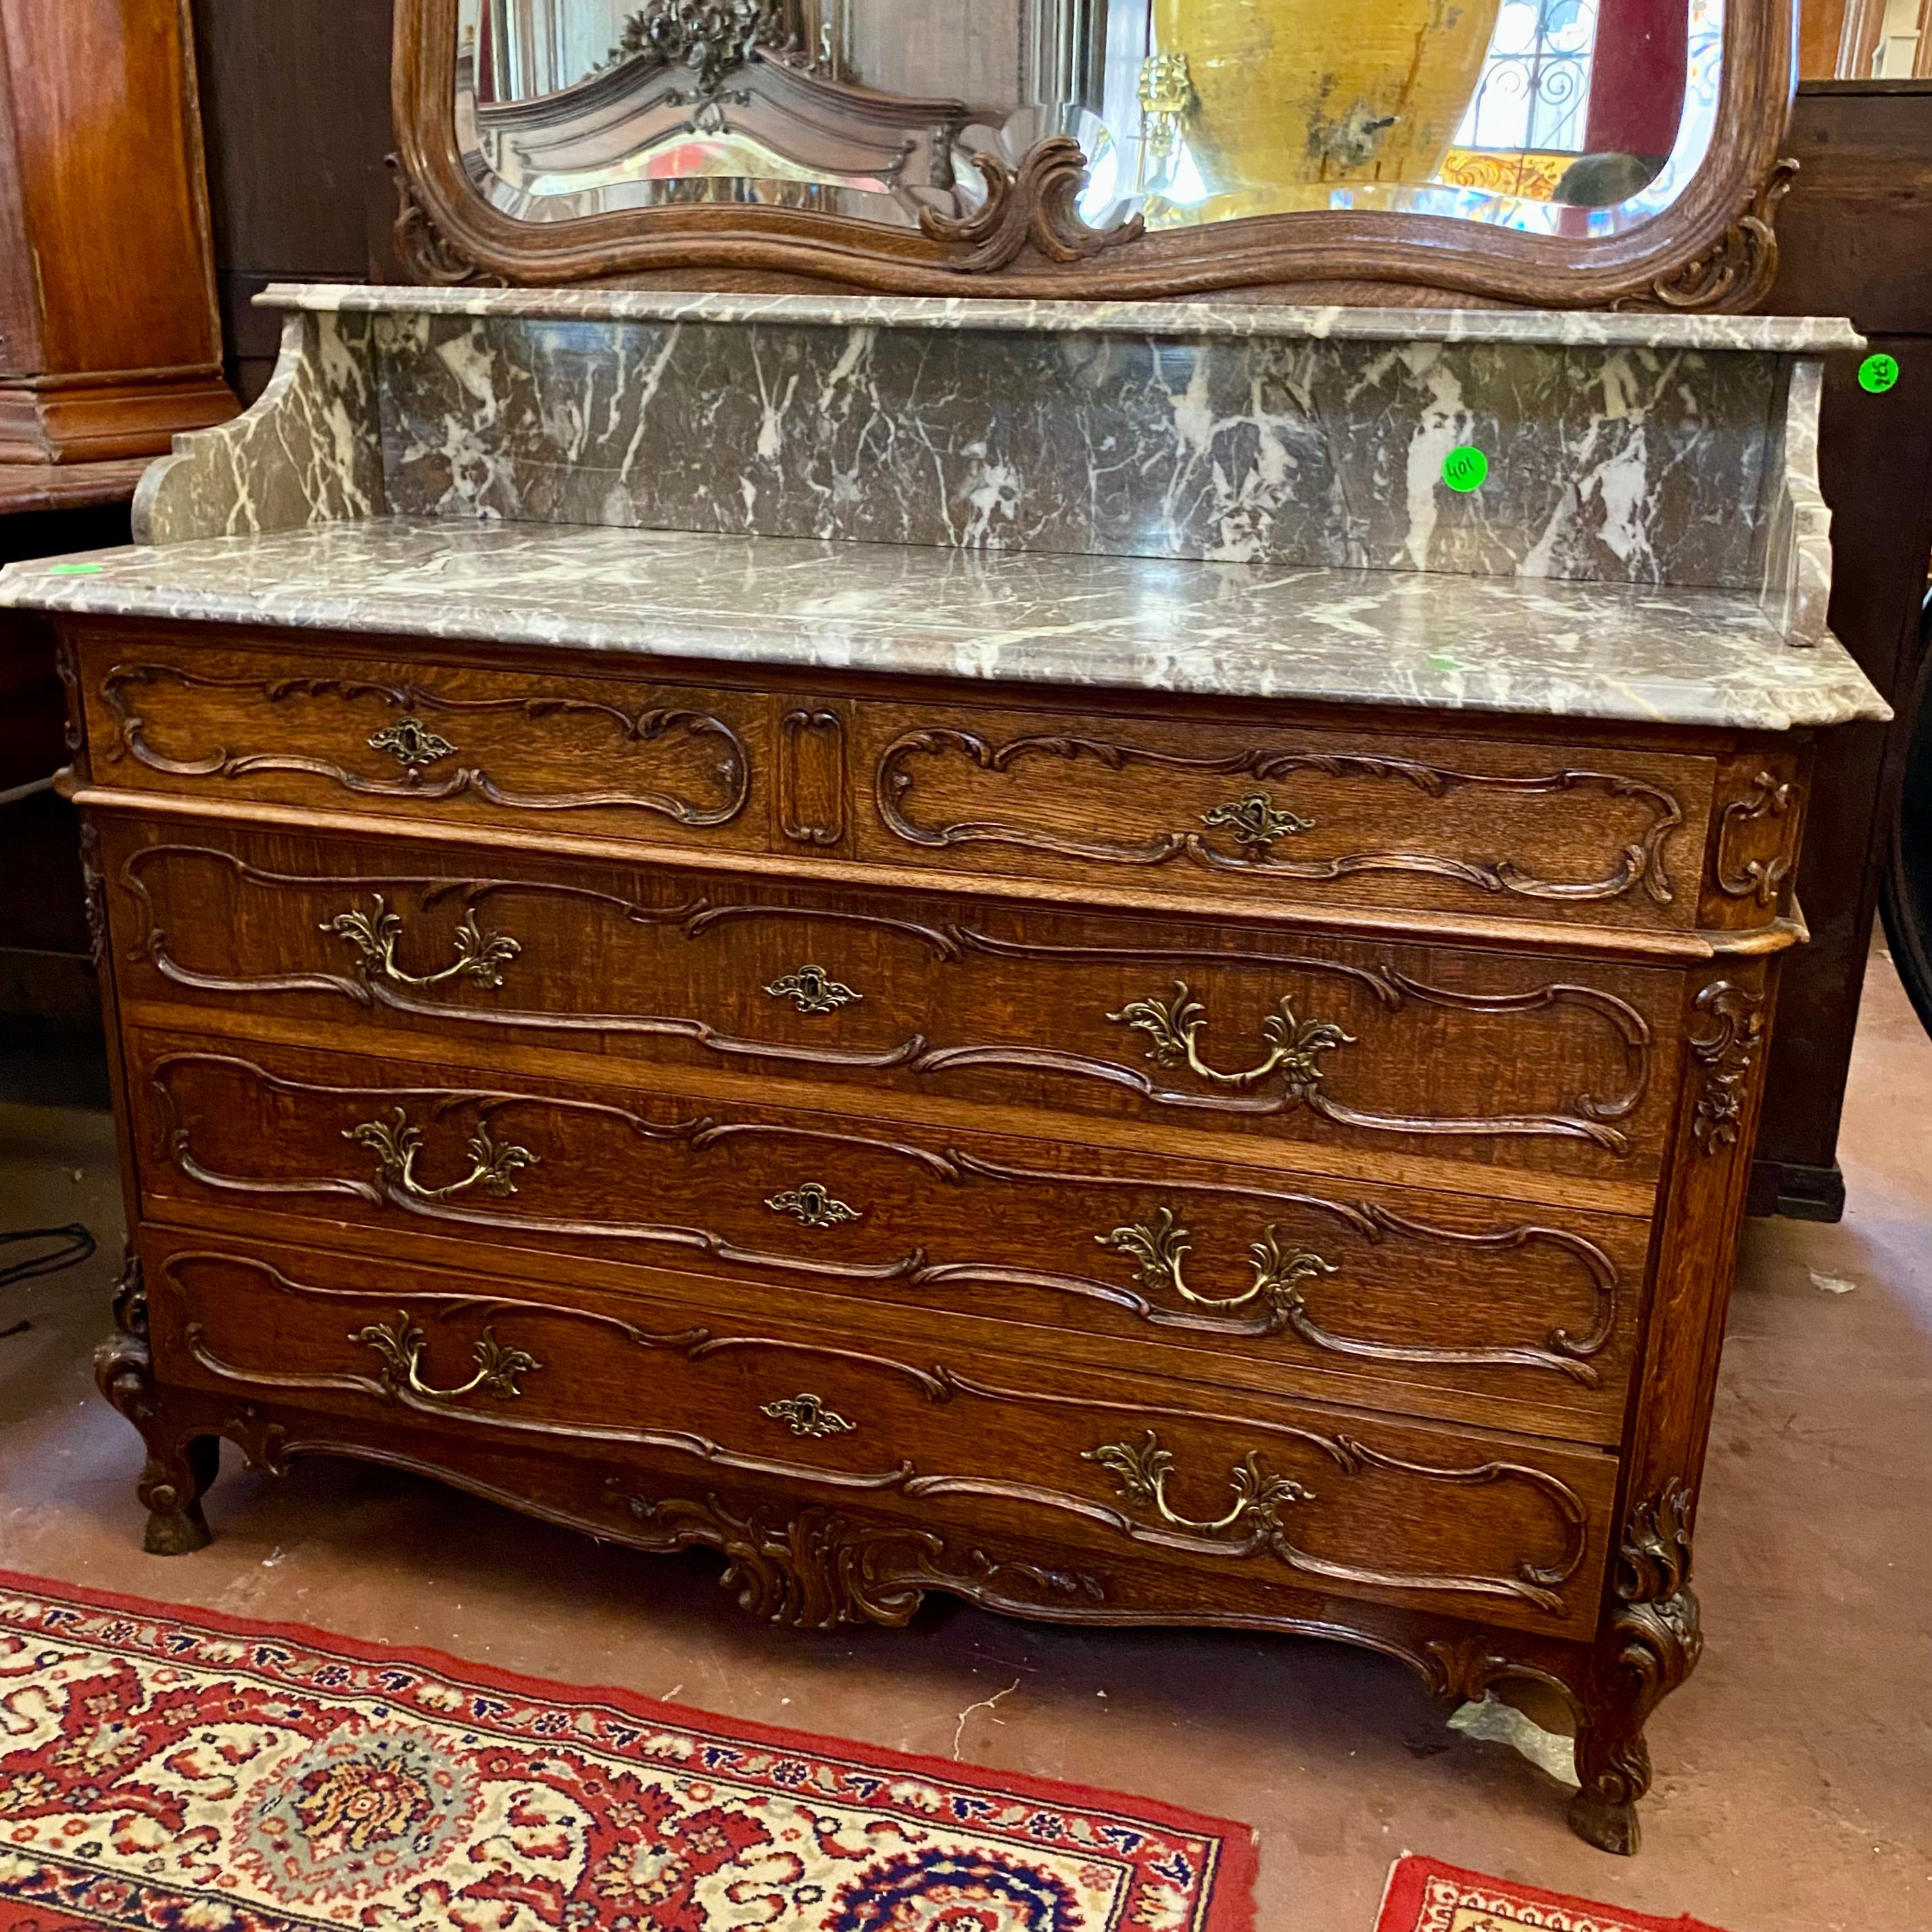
{"points": [[180, 1466]]}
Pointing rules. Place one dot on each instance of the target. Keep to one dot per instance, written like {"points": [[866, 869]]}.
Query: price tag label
{"points": [[75, 569], [1878, 373], [1465, 469]]}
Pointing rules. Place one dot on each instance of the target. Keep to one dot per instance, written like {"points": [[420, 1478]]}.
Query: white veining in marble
{"points": [[1405, 638], [308, 451], [1812, 335]]}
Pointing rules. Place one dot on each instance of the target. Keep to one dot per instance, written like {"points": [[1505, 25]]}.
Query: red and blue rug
{"points": [[165, 1771], [1425, 1895]]}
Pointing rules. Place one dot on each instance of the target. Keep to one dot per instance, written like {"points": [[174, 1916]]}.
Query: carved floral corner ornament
{"points": [[1725, 1050]]}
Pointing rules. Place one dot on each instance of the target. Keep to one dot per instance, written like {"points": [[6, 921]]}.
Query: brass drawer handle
{"points": [[1142, 1470], [375, 935], [807, 1415], [814, 1205], [411, 743], [814, 990], [1160, 1246], [1256, 821], [1295, 1046], [396, 1144], [400, 1343]]}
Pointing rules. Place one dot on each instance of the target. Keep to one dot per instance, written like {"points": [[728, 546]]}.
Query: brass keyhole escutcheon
{"points": [[813, 990], [814, 1203], [807, 1415], [411, 743], [1256, 822]]}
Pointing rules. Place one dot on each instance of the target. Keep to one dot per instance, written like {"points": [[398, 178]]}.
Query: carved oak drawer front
{"points": [[1536, 831], [1472, 1309], [539, 752], [1541, 1062], [1245, 1496]]}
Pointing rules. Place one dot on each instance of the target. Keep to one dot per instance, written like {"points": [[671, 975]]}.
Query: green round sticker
{"points": [[1878, 373], [1465, 469]]}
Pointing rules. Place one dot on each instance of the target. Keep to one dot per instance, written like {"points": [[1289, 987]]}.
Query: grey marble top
{"points": [[1522, 646], [1810, 335]]}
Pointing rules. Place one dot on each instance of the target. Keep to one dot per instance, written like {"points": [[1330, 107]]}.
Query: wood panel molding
{"points": [[1638, 865]]}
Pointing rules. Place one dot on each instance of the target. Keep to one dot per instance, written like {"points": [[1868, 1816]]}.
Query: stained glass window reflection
{"points": [[1535, 93]]}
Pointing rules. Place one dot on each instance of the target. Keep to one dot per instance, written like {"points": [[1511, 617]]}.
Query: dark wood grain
{"points": [[1856, 235], [1123, 1229]]}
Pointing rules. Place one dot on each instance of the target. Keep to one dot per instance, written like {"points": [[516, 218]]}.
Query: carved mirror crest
{"points": [[1564, 152]]}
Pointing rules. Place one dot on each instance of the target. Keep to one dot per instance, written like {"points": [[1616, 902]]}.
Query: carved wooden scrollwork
{"points": [[1758, 878], [1726, 1051], [1737, 270], [1281, 1298], [1652, 1643], [428, 257], [1281, 1074], [814, 1569], [812, 777], [120, 688], [1032, 202], [1226, 840], [179, 1465]]}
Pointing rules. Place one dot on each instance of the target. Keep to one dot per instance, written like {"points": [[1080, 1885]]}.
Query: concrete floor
{"points": [[1794, 1790]]}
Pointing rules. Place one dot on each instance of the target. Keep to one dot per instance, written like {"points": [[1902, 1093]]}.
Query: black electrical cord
{"points": [[73, 1244]]}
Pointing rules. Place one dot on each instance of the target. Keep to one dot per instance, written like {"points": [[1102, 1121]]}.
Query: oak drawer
{"points": [[1246, 1494], [1445, 1304], [1549, 1063], [666, 763], [1313, 817]]}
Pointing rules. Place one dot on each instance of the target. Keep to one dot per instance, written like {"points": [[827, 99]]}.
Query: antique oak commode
{"points": [[1197, 1067]]}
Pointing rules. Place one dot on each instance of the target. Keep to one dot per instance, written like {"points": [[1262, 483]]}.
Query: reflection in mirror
{"points": [[1572, 117]]}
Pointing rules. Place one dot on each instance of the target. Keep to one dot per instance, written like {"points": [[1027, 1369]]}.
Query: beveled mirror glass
{"points": [[1576, 118]]}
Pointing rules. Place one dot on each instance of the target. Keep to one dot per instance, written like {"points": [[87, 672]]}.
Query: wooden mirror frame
{"points": [[1715, 247]]}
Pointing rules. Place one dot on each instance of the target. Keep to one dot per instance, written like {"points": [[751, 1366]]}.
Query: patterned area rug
{"points": [[164, 1768], [1425, 1895]]}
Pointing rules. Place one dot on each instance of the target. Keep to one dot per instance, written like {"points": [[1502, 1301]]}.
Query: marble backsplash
{"points": [[1645, 464]]}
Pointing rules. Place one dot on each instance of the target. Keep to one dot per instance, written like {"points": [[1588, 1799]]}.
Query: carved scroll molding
{"points": [[1219, 841], [1291, 1075], [1034, 202], [1651, 1644], [1759, 878], [427, 257], [179, 1466], [1071, 1470], [812, 777], [1725, 1050], [1285, 1298], [1736, 272], [417, 751]]}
